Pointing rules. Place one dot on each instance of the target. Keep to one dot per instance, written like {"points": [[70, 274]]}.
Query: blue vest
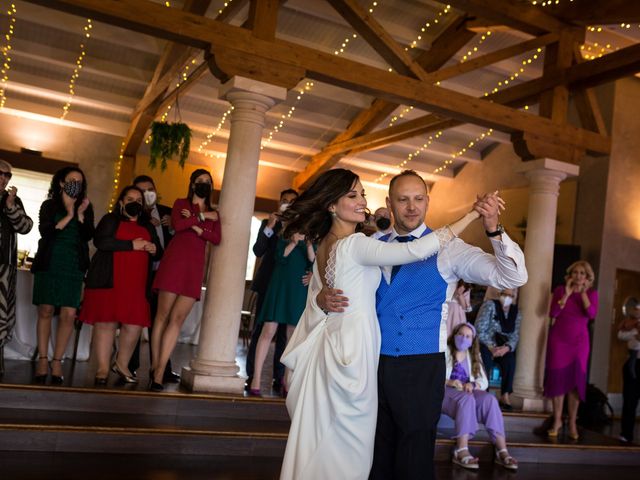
{"points": [[410, 309]]}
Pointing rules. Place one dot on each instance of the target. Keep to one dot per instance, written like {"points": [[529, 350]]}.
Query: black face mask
{"points": [[73, 188], [133, 209], [202, 190], [383, 223]]}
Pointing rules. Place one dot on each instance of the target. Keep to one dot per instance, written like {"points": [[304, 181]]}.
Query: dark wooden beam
{"points": [[263, 18], [598, 12]]}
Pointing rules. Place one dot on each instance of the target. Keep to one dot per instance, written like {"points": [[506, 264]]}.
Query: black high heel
{"points": [[57, 379], [153, 385], [125, 378], [42, 378]]}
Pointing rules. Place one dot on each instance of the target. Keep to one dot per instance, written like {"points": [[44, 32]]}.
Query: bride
{"points": [[333, 357]]}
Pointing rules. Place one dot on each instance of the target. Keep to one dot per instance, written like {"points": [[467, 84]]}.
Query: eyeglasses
{"points": [[6, 175]]}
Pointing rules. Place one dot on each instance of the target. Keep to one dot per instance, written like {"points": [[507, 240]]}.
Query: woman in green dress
{"points": [[66, 227], [285, 299]]}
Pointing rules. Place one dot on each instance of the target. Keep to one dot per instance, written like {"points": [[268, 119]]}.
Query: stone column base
{"points": [[529, 404], [201, 382]]}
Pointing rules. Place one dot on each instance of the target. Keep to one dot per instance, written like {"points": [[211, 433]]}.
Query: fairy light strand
{"points": [[6, 54], [448, 162], [413, 155], [427, 24], [213, 133], [76, 71], [116, 177], [525, 64]]}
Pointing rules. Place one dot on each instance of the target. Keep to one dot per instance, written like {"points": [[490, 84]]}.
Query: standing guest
{"points": [[66, 227], [467, 401], [382, 218], [160, 218], [265, 249], [13, 220], [458, 306], [498, 325], [118, 283], [285, 299], [411, 312], [572, 306], [179, 277], [629, 331]]}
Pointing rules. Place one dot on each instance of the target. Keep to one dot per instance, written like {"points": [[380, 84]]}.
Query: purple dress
{"points": [[568, 344]]}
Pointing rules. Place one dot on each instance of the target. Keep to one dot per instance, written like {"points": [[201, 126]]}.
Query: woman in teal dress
{"points": [[285, 299], [66, 227]]}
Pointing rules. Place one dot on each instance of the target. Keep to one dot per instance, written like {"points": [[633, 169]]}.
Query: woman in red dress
{"points": [[117, 282], [179, 277]]}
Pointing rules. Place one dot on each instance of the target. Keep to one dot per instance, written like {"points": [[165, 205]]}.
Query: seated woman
{"points": [[467, 402], [498, 325]]}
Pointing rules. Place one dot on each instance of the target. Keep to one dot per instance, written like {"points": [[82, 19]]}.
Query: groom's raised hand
{"points": [[489, 206], [332, 300]]}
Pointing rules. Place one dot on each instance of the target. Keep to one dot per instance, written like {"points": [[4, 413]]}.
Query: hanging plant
{"points": [[167, 141]]}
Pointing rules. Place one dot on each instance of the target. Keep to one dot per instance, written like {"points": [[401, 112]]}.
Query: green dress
{"points": [[61, 284], [286, 296]]}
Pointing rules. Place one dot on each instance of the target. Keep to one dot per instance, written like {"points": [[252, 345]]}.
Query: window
{"points": [[251, 258], [32, 190]]}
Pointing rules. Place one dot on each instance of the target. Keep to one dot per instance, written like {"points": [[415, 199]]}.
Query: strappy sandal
{"points": [[507, 461], [468, 461]]}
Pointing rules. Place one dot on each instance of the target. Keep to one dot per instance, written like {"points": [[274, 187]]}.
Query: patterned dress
{"points": [[12, 221]]}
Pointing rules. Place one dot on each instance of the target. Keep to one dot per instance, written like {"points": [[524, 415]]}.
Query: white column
{"points": [[544, 177], [214, 367]]}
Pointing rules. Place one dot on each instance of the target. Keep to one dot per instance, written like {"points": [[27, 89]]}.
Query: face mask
{"points": [[202, 190], [505, 300], [284, 206], [72, 188], [150, 197], [133, 209], [462, 343], [383, 223]]}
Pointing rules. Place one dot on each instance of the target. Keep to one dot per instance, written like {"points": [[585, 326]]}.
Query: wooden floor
{"points": [[46, 466]]}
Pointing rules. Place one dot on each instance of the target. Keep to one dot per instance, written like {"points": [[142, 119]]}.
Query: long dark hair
{"points": [[144, 216], [309, 213], [196, 173], [55, 190]]}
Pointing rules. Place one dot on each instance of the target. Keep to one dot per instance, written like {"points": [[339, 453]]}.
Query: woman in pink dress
{"points": [[179, 277], [572, 306]]}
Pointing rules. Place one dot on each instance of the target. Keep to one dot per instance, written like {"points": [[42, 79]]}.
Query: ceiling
{"points": [[118, 65]]}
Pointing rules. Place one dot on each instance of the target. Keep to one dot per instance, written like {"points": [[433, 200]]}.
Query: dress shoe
{"points": [[57, 379], [41, 377], [100, 381], [156, 387], [505, 407], [170, 377], [123, 376], [254, 392]]}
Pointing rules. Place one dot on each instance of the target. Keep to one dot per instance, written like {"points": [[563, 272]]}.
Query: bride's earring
{"points": [[333, 213]]}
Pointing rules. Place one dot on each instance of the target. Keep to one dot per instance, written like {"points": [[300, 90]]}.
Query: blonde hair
{"points": [[587, 268]]}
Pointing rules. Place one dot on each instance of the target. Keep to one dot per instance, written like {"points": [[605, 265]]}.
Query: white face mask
{"points": [[150, 198], [506, 301], [284, 206]]}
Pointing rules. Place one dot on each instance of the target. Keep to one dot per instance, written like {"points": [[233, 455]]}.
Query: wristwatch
{"points": [[498, 231]]}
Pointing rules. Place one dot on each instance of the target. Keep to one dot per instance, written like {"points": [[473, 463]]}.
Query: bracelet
{"points": [[201, 216]]}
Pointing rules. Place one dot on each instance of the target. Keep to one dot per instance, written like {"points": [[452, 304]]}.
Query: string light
{"points": [[213, 133], [76, 71], [462, 151], [6, 51], [395, 118], [226, 4], [285, 116], [116, 178], [428, 24], [424, 147], [469, 53], [525, 63], [547, 3]]}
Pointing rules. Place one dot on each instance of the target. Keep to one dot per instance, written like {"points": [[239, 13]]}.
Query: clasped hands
{"points": [[497, 352], [488, 206], [210, 215], [142, 244], [458, 385]]}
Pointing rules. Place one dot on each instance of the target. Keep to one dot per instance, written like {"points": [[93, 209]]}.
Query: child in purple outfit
{"points": [[467, 402]]}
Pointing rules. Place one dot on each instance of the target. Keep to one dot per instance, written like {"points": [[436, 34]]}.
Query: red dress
{"points": [[126, 302], [182, 267]]}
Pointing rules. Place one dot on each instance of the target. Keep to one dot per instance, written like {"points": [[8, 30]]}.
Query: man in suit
{"points": [[265, 249], [410, 304], [161, 219]]}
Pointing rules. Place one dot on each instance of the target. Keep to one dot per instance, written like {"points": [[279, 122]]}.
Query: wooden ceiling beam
{"points": [[554, 103], [263, 18], [599, 12], [194, 30], [520, 16], [376, 36], [451, 40], [587, 104]]}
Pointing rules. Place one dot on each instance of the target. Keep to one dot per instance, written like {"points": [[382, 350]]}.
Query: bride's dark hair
{"points": [[309, 213]]}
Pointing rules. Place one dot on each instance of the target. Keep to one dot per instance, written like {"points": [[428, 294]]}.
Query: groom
{"points": [[411, 308]]}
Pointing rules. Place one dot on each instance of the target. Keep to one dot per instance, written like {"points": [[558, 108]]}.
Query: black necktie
{"points": [[396, 268]]}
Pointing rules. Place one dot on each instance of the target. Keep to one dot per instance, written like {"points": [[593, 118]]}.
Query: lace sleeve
{"points": [[445, 235], [330, 269]]}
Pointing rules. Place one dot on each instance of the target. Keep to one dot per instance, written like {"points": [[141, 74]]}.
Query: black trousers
{"points": [[506, 363], [281, 343], [630, 397], [410, 394], [134, 363]]}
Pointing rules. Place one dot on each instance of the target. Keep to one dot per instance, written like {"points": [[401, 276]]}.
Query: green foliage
{"points": [[167, 141]]}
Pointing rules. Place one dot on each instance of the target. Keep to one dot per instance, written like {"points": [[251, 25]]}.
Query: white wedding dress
{"points": [[333, 398]]}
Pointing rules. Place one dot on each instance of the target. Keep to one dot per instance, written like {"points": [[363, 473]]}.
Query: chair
{"points": [[248, 315]]}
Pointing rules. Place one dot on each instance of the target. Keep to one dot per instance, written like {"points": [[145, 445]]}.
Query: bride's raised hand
{"points": [[489, 207]]}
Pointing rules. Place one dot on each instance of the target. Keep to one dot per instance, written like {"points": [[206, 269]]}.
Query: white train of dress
{"points": [[332, 399]]}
